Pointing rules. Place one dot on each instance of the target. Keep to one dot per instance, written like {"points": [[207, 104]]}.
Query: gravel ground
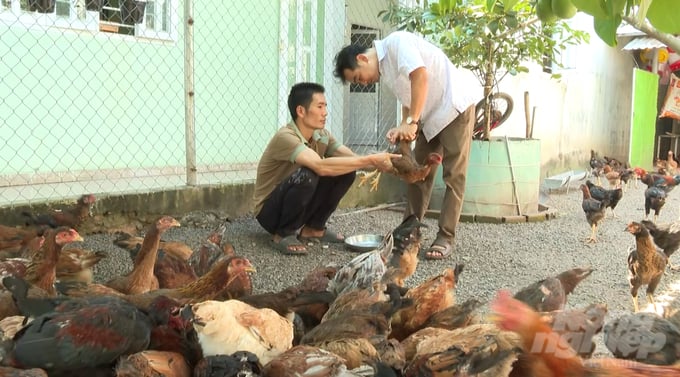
{"points": [[496, 256]]}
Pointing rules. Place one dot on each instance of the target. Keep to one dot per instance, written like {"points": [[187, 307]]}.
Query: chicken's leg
{"points": [[375, 181], [593, 234], [636, 308], [651, 301], [364, 177]]}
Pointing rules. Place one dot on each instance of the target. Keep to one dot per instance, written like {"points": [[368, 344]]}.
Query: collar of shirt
{"points": [[316, 136]]}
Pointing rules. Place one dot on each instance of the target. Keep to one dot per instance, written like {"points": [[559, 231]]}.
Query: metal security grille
{"points": [[115, 96]]}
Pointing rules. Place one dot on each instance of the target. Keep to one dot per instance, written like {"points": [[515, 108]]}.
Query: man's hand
{"points": [[383, 161], [406, 132]]}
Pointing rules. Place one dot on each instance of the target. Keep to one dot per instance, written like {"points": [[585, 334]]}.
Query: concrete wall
{"points": [[589, 107]]}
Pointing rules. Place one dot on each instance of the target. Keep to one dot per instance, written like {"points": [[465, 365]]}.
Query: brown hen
{"points": [[228, 279], [407, 238], [133, 245], [142, 279], [430, 297], [14, 239], [405, 167], [646, 264], [71, 216]]}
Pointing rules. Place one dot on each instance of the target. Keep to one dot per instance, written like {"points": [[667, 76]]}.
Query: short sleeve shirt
{"points": [[450, 90], [278, 160]]}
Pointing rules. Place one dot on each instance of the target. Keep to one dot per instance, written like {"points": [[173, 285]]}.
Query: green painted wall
{"points": [[72, 101], [643, 129]]}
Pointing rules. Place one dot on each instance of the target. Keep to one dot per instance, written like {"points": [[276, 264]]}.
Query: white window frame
{"points": [[172, 20], [14, 15]]}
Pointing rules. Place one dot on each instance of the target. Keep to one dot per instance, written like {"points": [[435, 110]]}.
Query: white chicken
{"points": [[224, 327]]}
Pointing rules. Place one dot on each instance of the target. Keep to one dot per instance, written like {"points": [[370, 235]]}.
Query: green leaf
{"points": [[490, 5], [615, 7], [595, 8], [435, 8], [606, 29], [663, 15], [509, 4]]}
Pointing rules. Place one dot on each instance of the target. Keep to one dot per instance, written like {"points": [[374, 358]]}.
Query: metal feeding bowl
{"points": [[363, 242]]}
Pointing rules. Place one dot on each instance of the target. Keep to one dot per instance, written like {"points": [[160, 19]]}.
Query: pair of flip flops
{"points": [[292, 245]]}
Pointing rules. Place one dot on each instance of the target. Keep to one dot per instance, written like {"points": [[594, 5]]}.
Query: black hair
{"points": [[301, 95], [347, 59]]}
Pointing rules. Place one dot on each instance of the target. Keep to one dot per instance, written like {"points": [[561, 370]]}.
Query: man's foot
{"points": [[440, 249], [308, 235], [288, 245]]}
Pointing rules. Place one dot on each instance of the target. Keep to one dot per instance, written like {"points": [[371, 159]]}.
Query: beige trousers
{"points": [[453, 143]]}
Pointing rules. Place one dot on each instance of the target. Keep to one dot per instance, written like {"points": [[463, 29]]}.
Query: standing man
{"points": [[438, 112], [304, 172]]}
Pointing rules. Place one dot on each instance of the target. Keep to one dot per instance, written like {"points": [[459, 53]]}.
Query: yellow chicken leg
{"points": [[593, 234], [636, 308], [651, 301], [365, 176]]}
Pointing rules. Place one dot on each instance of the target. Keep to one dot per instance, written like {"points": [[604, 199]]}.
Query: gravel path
{"points": [[496, 256]]}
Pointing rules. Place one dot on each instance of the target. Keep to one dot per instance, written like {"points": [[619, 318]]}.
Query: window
{"points": [[159, 20], [150, 19]]}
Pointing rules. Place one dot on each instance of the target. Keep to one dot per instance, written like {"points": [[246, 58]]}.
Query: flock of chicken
{"points": [[654, 242], [183, 312]]}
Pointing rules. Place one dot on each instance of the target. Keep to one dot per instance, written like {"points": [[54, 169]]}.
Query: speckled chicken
{"points": [[646, 264], [363, 270], [551, 293], [594, 210]]}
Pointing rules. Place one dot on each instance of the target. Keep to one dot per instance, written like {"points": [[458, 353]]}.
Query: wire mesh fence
{"points": [[114, 96]]}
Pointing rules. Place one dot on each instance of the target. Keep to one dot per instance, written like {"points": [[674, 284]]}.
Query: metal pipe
{"points": [[189, 98]]}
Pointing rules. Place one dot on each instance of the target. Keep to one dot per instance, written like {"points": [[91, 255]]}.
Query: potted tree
{"points": [[494, 38]]}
